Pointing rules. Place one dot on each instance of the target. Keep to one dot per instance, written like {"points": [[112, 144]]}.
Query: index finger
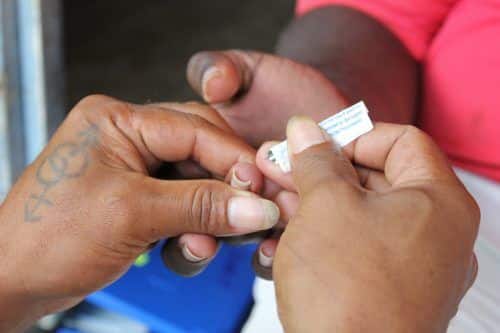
{"points": [[161, 135], [403, 153], [173, 136]]}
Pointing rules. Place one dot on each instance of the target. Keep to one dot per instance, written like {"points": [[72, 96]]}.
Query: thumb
{"points": [[316, 159], [171, 208], [220, 75]]}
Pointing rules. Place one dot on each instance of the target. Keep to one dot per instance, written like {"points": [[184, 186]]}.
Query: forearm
{"points": [[361, 57]]}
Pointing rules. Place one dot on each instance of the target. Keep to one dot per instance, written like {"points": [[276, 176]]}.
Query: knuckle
{"points": [[415, 134], [98, 107], [473, 210], [330, 171], [427, 204], [422, 208], [116, 109], [314, 160], [94, 99]]}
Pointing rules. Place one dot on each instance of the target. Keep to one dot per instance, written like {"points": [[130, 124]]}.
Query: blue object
{"points": [[217, 300]]}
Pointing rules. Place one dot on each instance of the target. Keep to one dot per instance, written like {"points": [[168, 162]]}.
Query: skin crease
{"points": [[87, 207]]}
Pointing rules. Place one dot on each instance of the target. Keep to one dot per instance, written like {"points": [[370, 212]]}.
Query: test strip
{"points": [[343, 127]]}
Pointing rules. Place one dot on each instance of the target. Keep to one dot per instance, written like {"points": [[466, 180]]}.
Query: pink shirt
{"points": [[458, 44]]}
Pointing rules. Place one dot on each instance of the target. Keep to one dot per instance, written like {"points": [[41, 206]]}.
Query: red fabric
{"points": [[458, 43]]}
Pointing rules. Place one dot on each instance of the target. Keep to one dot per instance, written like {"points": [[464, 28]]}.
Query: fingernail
{"points": [[264, 259], [249, 213], [302, 133], [208, 75], [190, 256], [240, 184]]}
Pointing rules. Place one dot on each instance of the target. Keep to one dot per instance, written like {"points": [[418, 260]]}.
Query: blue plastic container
{"points": [[218, 300]]}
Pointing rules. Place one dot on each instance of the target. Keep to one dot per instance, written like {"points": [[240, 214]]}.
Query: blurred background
{"points": [[139, 50], [53, 53]]}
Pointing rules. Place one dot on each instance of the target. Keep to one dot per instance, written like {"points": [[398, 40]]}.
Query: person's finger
{"points": [[204, 111], [190, 169], [316, 160], [240, 178], [404, 153], [243, 176], [220, 75], [370, 179], [271, 169], [246, 86], [159, 136], [263, 258], [246, 177], [208, 207], [189, 254]]}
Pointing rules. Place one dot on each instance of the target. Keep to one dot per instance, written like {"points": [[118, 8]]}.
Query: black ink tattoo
{"points": [[67, 160]]}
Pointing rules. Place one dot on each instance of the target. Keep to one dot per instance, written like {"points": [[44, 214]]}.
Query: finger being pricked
{"points": [[190, 254]]}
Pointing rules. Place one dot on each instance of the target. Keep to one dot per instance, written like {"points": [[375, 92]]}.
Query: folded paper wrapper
{"points": [[343, 127]]}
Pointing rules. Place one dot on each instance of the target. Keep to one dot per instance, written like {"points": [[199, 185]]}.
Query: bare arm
{"points": [[360, 56]]}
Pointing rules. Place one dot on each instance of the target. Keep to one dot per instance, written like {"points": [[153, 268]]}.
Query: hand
{"points": [[87, 207], [384, 248], [257, 93]]}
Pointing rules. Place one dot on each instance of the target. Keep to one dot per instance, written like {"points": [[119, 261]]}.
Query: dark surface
{"points": [[138, 50]]}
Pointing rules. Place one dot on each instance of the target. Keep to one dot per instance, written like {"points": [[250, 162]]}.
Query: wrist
{"points": [[359, 312], [366, 312], [18, 309], [17, 313]]}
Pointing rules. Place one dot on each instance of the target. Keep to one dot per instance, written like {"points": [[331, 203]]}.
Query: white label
{"points": [[343, 127]]}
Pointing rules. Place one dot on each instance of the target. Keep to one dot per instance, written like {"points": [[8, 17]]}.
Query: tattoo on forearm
{"points": [[67, 160]]}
